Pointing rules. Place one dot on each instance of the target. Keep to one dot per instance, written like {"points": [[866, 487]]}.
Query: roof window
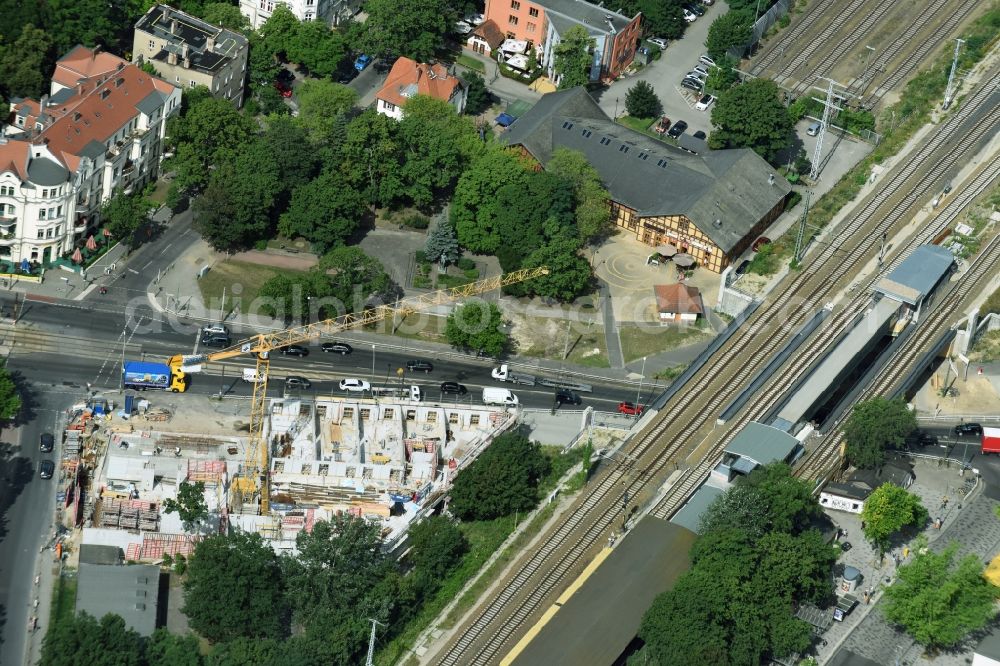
{"points": [[105, 93], [586, 133], [605, 140], [623, 148], [567, 125]]}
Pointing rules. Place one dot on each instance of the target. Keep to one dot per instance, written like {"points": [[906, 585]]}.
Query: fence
{"points": [[760, 28]]}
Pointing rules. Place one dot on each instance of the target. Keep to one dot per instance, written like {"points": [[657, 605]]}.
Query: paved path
{"points": [[612, 339]]}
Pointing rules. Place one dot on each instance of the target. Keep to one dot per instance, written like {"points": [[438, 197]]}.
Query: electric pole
{"points": [[824, 121], [371, 641], [950, 91], [800, 237]]}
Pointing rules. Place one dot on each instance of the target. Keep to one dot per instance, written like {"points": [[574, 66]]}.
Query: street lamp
{"points": [[373, 364], [638, 393]]}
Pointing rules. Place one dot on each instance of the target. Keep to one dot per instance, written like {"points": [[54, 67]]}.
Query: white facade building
{"points": [[332, 12]]}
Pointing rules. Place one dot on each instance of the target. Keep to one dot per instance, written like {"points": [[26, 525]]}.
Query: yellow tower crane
{"points": [[252, 479]]}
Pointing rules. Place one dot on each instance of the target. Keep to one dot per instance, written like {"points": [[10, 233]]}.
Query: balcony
{"points": [[8, 235], [128, 169]]}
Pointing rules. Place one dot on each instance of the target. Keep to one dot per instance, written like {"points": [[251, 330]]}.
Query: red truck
{"points": [[991, 440]]}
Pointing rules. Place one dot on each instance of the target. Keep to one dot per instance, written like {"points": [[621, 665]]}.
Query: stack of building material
{"points": [[149, 520], [110, 512], [129, 519]]}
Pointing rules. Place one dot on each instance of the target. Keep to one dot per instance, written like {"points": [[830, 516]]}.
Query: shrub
{"points": [[466, 264], [415, 221]]}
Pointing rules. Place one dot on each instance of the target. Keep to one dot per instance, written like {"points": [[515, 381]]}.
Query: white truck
{"points": [[499, 396], [504, 374]]}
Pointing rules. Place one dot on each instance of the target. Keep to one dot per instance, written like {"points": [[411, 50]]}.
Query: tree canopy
{"points": [[82, 639], [939, 601], [593, 214], [234, 588], [478, 97], [10, 398], [190, 504], [769, 499], [415, 29], [123, 215], [572, 57], [502, 480], [477, 326], [734, 28], [206, 135], [325, 211], [641, 101], [442, 243], [751, 115], [24, 63], [874, 426], [889, 509]]}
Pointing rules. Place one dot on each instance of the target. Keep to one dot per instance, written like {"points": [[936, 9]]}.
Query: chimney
{"points": [[173, 27], [43, 103], [185, 53], [171, 58], [166, 13], [210, 44]]}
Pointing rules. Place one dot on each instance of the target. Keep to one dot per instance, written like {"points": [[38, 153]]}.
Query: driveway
{"points": [[665, 76]]}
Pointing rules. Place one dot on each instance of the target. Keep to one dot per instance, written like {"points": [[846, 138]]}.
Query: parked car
{"points": [[698, 76], [354, 385], [419, 366], [46, 469], [215, 328], [567, 397], [708, 2], [846, 546], [297, 382], [453, 388], [705, 102], [341, 348], [362, 61], [630, 408], [47, 442], [707, 60], [701, 69], [463, 27], [663, 125], [285, 76], [658, 42], [295, 350], [689, 16], [694, 8], [677, 129], [742, 268], [759, 243], [693, 84], [700, 135], [283, 88], [215, 340], [968, 429], [345, 76]]}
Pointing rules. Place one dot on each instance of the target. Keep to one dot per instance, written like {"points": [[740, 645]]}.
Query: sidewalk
{"points": [[63, 284]]}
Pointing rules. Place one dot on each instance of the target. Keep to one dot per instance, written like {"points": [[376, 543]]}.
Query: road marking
{"points": [[83, 294], [148, 264], [153, 303]]}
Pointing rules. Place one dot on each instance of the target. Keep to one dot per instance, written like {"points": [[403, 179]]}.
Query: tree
{"points": [[478, 97], [592, 211], [887, 510], [10, 398], [325, 212], [226, 15], [727, 31], [415, 29], [722, 78], [87, 22], [190, 504], [371, 158], [662, 19], [317, 47], [356, 279], [502, 480], [122, 215], [285, 139], [210, 131], [477, 326], [279, 31], [167, 649], [641, 101], [235, 588], [437, 546], [769, 499], [874, 426], [442, 243], [569, 273], [573, 59], [937, 601], [262, 67], [751, 115], [235, 210], [83, 640], [474, 207], [321, 102], [24, 64]]}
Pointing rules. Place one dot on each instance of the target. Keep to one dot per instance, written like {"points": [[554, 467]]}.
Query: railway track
{"points": [[542, 571]]}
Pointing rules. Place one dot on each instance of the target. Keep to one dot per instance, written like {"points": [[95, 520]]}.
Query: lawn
{"points": [[471, 63], [420, 326], [228, 275], [63, 600], [639, 341], [638, 124]]}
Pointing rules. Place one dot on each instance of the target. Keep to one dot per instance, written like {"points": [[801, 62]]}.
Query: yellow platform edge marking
{"points": [[554, 608]]}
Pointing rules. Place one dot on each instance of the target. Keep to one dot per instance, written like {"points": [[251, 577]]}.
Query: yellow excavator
{"points": [[252, 479]]}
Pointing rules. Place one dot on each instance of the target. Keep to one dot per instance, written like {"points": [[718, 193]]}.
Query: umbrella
{"points": [[667, 250], [107, 233], [25, 266], [77, 256], [684, 260], [91, 243]]}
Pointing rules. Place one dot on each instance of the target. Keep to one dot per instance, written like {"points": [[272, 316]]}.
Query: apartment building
{"points": [[99, 131], [542, 23], [189, 52], [332, 12]]}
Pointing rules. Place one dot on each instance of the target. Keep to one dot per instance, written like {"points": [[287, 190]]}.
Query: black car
{"points": [[346, 75], [700, 135], [846, 546], [742, 268], [692, 84], [46, 469], [694, 8], [968, 429], [295, 350], [419, 366], [337, 347], [285, 76], [919, 439], [215, 340], [567, 397], [454, 388], [677, 129], [47, 442]]}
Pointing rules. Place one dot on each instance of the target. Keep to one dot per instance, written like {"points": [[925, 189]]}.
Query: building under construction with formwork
{"points": [[383, 460]]}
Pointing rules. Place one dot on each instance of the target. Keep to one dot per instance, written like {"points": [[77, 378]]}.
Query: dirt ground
{"points": [[975, 395]]}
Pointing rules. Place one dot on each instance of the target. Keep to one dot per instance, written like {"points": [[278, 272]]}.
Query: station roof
{"points": [[762, 443], [130, 591], [689, 515], [830, 368], [917, 275], [596, 623]]}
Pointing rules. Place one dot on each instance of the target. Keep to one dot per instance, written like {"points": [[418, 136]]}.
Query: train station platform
{"points": [[916, 276]]}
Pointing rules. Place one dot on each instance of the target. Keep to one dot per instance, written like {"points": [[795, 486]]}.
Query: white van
{"points": [[415, 394], [250, 376], [499, 396]]}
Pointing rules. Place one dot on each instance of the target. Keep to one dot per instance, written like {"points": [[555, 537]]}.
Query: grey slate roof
{"points": [[724, 193], [990, 645], [96, 554], [151, 102], [689, 515], [916, 275], [130, 591], [762, 443], [590, 15], [93, 149], [43, 171]]}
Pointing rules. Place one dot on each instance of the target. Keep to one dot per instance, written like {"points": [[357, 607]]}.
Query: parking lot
{"points": [[665, 76]]}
